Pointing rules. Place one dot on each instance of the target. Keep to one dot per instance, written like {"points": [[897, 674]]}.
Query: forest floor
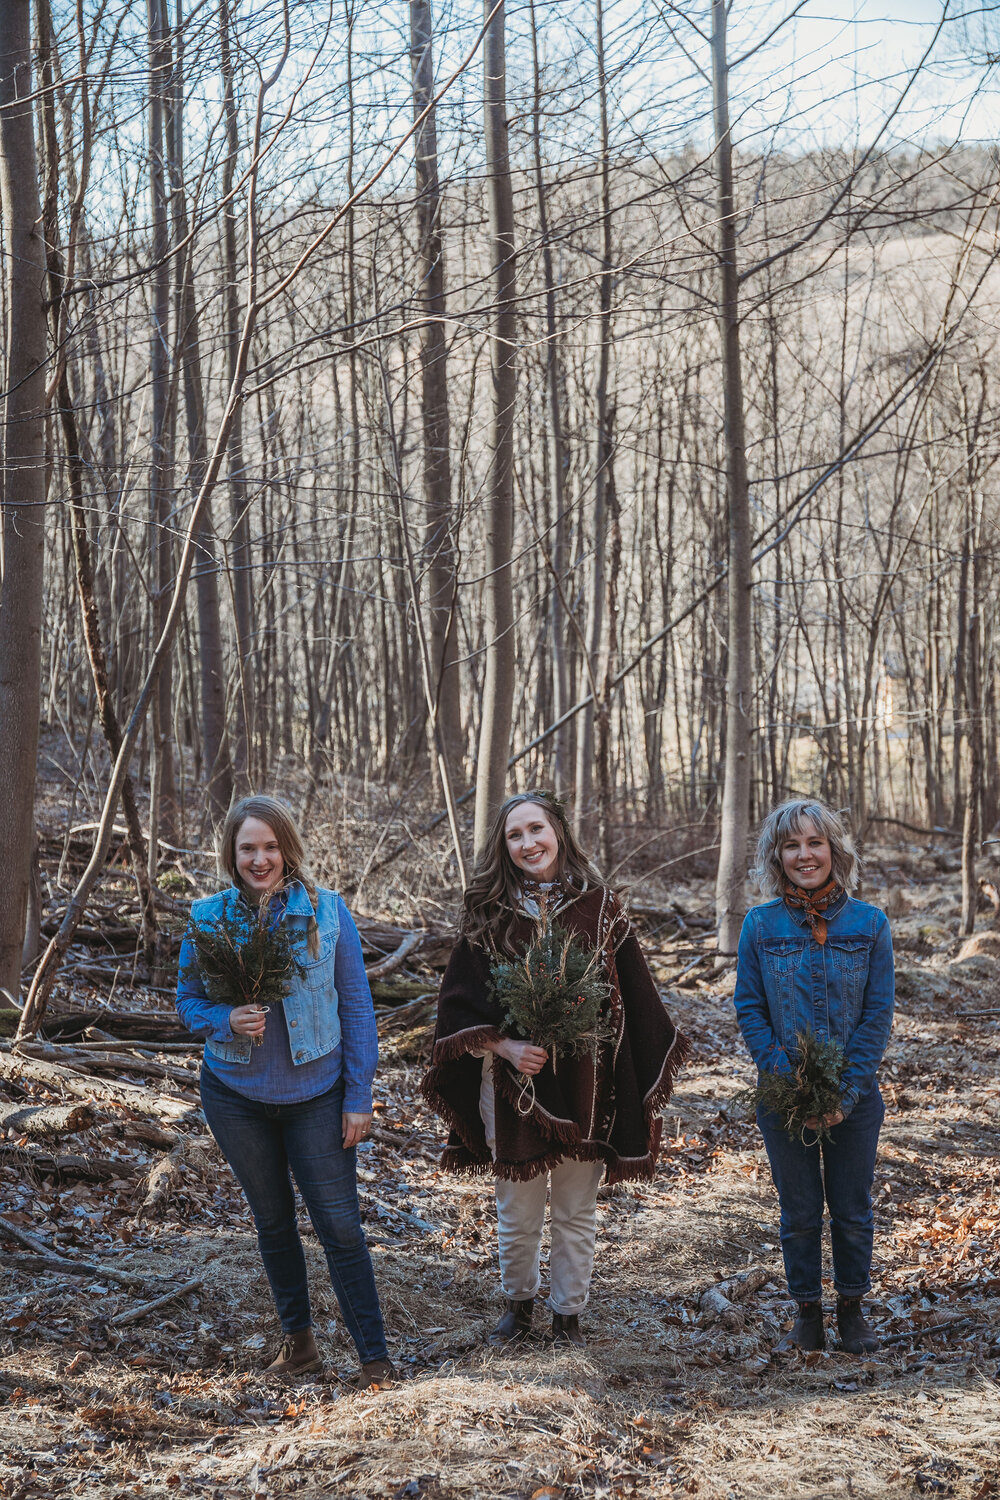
{"points": [[661, 1402]]}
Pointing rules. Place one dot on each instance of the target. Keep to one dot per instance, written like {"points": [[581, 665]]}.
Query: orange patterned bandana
{"points": [[813, 903]]}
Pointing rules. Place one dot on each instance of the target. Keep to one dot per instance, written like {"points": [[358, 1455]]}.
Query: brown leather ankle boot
{"points": [[378, 1373], [298, 1356], [566, 1329], [807, 1330], [515, 1325], [857, 1336]]}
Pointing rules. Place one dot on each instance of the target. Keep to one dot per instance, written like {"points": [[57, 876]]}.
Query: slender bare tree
{"points": [[23, 480]]}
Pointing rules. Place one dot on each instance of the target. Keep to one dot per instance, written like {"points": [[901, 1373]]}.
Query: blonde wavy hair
{"points": [[787, 819]]}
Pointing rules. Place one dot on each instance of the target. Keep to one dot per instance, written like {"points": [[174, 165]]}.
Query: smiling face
{"points": [[806, 858], [259, 861], [532, 841]]}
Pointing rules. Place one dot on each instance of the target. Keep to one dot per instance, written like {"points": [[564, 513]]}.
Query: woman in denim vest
{"points": [[815, 959], [288, 1094]]}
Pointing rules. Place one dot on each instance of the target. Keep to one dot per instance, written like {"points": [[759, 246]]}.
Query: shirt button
{"points": [[293, 1023]]}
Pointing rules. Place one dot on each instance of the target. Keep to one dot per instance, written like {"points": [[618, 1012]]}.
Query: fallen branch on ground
{"points": [[396, 959], [136, 1313], [926, 1331], [165, 1176]]}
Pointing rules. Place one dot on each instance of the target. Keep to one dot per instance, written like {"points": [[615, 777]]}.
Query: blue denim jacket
{"points": [[311, 1008], [787, 983]]}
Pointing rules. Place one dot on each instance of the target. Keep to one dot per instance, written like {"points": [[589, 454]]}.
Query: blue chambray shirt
{"points": [[787, 983], [325, 1029]]}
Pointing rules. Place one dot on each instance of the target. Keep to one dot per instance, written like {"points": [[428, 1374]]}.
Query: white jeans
{"points": [[521, 1214]]}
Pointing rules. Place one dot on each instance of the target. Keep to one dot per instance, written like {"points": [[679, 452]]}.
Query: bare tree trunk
{"points": [[498, 687], [162, 791], [730, 889], [218, 769], [23, 477], [558, 623], [972, 820], [441, 581], [602, 465], [82, 551], [242, 595]]}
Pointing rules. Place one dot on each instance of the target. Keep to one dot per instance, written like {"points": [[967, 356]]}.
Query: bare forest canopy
{"points": [[403, 392]]}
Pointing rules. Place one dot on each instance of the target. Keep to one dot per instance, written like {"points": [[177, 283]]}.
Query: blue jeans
{"points": [[267, 1144], [840, 1168]]}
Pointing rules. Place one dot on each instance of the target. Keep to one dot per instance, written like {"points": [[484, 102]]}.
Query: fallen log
{"points": [[45, 1119], [390, 1018], [106, 1061], [65, 1163], [150, 1135], [717, 1303], [20, 1068], [128, 1026]]}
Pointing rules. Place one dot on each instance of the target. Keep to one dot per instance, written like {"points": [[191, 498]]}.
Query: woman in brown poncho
{"points": [[594, 1114]]}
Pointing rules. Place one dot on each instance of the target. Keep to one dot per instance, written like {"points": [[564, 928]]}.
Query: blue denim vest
{"points": [[312, 1013], [787, 983]]}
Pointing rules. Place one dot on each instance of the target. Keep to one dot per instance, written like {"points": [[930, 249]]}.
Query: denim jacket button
{"points": [[300, 1055], [293, 1023]]}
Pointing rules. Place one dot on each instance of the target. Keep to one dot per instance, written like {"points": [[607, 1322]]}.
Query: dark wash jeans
{"points": [[268, 1144], [841, 1169]]}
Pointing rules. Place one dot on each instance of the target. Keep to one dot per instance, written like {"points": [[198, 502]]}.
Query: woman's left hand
{"points": [[356, 1128], [827, 1122]]}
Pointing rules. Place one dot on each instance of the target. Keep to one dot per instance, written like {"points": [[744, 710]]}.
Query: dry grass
{"points": [[656, 1405]]}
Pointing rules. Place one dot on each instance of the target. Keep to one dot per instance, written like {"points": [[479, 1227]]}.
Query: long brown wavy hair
{"points": [[491, 897]]}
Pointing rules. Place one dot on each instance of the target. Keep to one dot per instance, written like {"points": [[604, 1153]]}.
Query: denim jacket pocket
{"points": [[782, 956]]}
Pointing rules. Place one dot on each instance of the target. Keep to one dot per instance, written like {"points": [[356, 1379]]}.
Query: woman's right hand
{"points": [[247, 1020], [525, 1057]]}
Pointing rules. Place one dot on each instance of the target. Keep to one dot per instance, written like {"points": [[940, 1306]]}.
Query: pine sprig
{"points": [[811, 1090], [555, 994], [244, 957]]}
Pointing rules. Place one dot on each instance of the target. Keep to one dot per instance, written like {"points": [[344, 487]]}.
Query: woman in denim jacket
{"points": [[288, 1094], [815, 959]]}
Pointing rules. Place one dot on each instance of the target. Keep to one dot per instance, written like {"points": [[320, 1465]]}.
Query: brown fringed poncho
{"points": [[606, 1113]]}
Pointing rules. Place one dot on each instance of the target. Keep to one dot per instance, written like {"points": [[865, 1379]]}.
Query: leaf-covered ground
{"points": [[661, 1402]]}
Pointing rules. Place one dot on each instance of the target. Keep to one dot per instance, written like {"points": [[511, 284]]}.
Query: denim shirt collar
{"points": [[834, 909]]}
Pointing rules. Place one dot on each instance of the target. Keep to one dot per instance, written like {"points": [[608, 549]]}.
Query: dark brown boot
{"points": [[857, 1336], [566, 1329], [807, 1330], [298, 1356], [515, 1325], [377, 1372]]}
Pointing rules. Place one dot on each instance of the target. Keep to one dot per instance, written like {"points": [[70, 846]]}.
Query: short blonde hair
{"points": [[787, 818]]}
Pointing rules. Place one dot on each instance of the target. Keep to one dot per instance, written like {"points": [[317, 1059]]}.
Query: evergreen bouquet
{"points": [[811, 1090], [554, 995], [244, 958]]}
